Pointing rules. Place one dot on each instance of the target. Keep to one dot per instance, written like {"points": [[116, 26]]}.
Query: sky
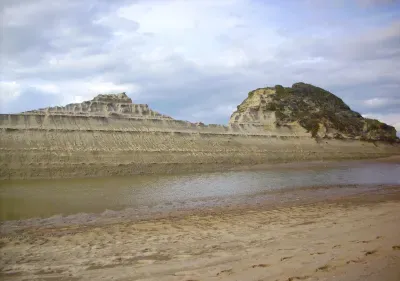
{"points": [[196, 60]]}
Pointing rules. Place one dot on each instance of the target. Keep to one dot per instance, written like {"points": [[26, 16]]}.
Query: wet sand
{"points": [[318, 164], [91, 200], [354, 237]]}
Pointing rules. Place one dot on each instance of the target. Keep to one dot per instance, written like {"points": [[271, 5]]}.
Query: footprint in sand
{"points": [[186, 273], [324, 268], [48, 271], [358, 260], [226, 271], [286, 258], [317, 253], [260, 265], [365, 241], [367, 253], [396, 247], [298, 278]]}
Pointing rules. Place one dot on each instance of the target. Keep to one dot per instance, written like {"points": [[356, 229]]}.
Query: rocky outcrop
{"points": [[113, 98], [306, 107], [119, 105], [110, 135]]}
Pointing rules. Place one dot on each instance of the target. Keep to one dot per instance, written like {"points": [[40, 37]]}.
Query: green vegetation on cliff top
{"points": [[314, 108]]}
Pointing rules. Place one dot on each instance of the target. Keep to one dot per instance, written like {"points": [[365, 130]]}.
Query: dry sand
{"points": [[347, 239]]}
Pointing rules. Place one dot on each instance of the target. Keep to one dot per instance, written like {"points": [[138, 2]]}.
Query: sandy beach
{"points": [[352, 238]]}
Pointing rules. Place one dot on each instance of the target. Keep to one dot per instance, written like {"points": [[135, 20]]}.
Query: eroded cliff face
{"points": [[306, 108], [117, 105], [256, 111], [110, 135]]}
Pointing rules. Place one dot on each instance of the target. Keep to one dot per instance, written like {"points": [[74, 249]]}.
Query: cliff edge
{"points": [[319, 112], [111, 105], [110, 135]]}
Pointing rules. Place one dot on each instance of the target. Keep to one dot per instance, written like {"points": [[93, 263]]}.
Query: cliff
{"points": [[110, 135], [118, 105], [315, 110]]}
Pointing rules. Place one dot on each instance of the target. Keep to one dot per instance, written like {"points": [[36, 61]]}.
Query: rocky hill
{"points": [[319, 112], [117, 105], [110, 135]]}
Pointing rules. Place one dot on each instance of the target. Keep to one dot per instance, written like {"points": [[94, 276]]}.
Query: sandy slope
{"points": [[346, 240]]}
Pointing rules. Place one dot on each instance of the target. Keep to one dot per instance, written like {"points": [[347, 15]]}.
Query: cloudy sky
{"points": [[196, 60]]}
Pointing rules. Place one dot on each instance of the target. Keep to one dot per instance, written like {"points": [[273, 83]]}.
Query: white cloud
{"points": [[198, 59], [109, 87], [77, 99], [178, 16], [78, 91], [77, 59], [225, 109], [208, 33], [380, 103], [22, 14], [9, 91], [47, 88], [81, 91], [397, 126], [198, 114], [377, 102]]}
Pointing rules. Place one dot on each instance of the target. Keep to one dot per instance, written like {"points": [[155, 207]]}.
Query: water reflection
{"points": [[45, 198]]}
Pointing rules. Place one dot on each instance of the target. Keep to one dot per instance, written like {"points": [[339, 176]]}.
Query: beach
{"points": [[200, 140], [354, 237]]}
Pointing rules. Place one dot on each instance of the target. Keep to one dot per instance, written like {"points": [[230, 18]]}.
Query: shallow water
{"points": [[163, 193]]}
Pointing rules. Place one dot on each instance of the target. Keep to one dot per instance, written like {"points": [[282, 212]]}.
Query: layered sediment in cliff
{"points": [[118, 105], [110, 135], [307, 108]]}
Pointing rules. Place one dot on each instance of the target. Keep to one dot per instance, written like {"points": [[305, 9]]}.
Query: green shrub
{"points": [[280, 115], [314, 129], [280, 91], [311, 106], [271, 106]]}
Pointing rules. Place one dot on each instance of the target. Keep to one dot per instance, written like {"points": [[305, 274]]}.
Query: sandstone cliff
{"points": [[103, 105], [306, 107], [110, 135]]}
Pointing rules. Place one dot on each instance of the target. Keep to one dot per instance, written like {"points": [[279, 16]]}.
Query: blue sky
{"points": [[196, 60]]}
